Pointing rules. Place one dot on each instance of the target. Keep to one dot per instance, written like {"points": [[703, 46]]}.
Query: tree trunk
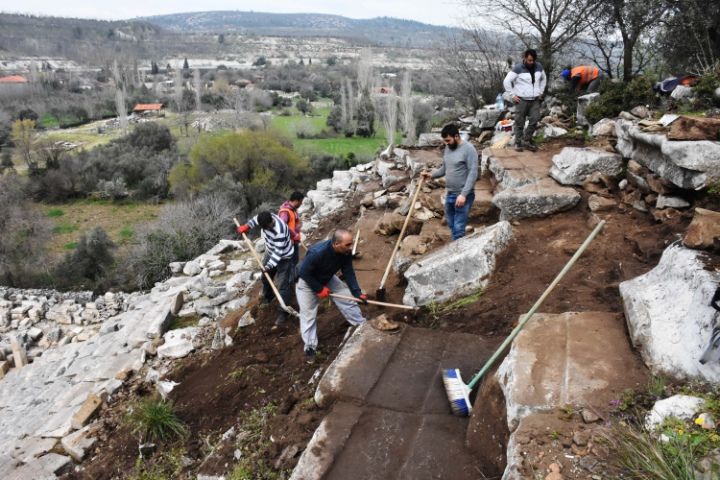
{"points": [[546, 53], [628, 48]]}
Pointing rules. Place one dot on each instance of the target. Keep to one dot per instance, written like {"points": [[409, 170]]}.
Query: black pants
{"points": [[283, 277]]}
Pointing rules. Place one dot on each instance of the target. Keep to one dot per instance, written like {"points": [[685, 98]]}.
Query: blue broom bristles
{"points": [[457, 392]]}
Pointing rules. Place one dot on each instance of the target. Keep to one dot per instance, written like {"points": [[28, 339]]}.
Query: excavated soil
{"points": [[217, 388]]}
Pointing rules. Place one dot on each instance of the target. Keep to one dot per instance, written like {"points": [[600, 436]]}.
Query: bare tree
{"points": [[198, 88], [548, 25], [120, 103], [406, 108], [178, 84], [476, 60], [364, 70], [633, 20], [388, 107]]}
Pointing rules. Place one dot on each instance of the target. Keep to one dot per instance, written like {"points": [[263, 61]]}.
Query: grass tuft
{"points": [[153, 419], [55, 212], [64, 228]]}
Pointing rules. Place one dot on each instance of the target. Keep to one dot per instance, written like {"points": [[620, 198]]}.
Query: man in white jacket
{"points": [[525, 85]]}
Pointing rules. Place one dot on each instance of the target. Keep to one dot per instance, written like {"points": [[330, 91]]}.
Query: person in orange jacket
{"points": [[583, 78]]}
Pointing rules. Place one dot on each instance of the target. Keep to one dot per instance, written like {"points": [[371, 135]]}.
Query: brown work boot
{"points": [[531, 146], [519, 147]]}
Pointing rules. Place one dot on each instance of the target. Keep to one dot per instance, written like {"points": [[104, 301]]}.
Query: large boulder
{"points": [[573, 165], [429, 140], [669, 316], [686, 164], [458, 268], [391, 223], [535, 200]]}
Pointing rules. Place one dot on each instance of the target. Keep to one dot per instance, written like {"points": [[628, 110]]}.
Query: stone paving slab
{"points": [[391, 417], [515, 169]]}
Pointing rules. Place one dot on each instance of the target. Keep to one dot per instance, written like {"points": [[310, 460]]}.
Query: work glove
{"points": [[363, 298], [296, 238], [243, 229], [324, 293]]}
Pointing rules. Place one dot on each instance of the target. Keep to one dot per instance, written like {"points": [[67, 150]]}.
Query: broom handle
{"points": [[402, 232], [355, 243], [534, 308], [372, 302], [267, 275]]}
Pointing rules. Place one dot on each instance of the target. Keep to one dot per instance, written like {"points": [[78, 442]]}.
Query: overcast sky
{"points": [[437, 12]]}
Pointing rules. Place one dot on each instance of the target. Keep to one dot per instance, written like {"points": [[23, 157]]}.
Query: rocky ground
{"points": [[245, 393]]}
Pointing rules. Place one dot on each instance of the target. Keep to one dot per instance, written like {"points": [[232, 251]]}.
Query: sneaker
{"points": [[310, 356], [518, 147], [531, 146]]}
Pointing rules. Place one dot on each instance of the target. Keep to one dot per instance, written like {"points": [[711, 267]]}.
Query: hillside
{"points": [[380, 31]]}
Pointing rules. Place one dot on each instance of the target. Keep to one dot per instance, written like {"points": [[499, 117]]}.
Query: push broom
{"points": [[458, 393]]}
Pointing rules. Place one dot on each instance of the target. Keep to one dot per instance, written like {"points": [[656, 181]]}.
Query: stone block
{"points": [[86, 412], [460, 268], [573, 165], [78, 443], [669, 316]]}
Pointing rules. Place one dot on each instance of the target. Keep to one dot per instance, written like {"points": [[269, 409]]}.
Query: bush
{"points": [[154, 419], [24, 232], [91, 261], [257, 160], [705, 91], [151, 136], [184, 231], [616, 97]]}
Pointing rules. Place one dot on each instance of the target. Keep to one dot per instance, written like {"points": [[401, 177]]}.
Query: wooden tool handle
{"points": [[259, 261], [402, 232], [373, 302]]}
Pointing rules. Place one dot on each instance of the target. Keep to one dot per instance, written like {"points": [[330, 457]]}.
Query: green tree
{"points": [[186, 66], [221, 38], [365, 116], [154, 70], [91, 260], [256, 160], [304, 106]]}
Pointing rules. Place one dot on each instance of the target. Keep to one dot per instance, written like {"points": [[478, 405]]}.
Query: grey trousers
{"points": [[530, 110], [309, 302]]}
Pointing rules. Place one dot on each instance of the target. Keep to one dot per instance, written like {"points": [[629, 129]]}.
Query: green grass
{"points": [[64, 228], [126, 233], [153, 419], [70, 246], [340, 146], [55, 212]]}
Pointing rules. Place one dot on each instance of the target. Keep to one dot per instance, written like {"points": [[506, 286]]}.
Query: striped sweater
{"points": [[277, 241]]}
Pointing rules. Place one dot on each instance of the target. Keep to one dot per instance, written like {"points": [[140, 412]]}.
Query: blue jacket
{"points": [[322, 262]]}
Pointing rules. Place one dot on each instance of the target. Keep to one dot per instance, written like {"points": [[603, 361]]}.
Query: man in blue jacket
{"points": [[525, 85], [318, 280]]}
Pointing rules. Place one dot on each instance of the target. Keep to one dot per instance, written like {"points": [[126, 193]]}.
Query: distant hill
{"points": [[384, 31]]}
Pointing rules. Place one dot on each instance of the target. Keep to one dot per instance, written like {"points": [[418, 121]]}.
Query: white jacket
{"points": [[519, 82]]}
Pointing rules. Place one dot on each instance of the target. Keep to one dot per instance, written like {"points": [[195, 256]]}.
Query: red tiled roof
{"points": [[141, 107], [13, 79]]}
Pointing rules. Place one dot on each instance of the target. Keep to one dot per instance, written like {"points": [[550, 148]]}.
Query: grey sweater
{"points": [[460, 169]]}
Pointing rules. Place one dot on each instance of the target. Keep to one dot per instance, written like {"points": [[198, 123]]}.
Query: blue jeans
{"points": [[457, 217]]}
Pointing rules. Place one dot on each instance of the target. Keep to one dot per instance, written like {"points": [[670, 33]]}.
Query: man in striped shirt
{"points": [[278, 258]]}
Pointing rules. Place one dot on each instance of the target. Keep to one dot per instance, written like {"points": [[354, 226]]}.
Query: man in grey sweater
{"points": [[460, 169]]}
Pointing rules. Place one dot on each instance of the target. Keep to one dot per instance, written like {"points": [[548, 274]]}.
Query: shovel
{"points": [[288, 309], [380, 293]]}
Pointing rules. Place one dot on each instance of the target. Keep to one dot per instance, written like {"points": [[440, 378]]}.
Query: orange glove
{"points": [[324, 293], [243, 229]]}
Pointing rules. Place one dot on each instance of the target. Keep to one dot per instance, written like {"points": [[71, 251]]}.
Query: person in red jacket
{"points": [[583, 78], [288, 213]]}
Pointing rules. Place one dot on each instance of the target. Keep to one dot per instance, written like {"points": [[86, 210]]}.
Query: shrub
{"points": [[616, 97], [112, 189], [90, 261], [183, 231], [151, 136], [154, 419], [705, 90]]}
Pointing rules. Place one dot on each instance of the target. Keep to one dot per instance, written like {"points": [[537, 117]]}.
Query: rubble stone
{"points": [[703, 230]]}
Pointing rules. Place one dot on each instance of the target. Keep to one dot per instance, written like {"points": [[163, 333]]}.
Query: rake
{"points": [[458, 393], [250, 245]]}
